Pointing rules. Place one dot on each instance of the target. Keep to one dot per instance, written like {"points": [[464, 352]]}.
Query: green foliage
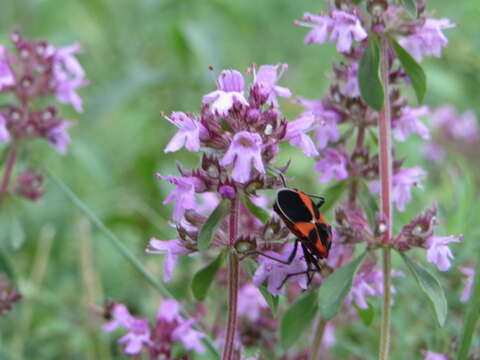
{"points": [[205, 236], [411, 7], [260, 213], [369, 80], [203, 278]]}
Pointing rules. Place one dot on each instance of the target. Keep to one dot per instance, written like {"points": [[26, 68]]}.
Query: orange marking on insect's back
{"points": [[322, 220], [308, 203], [304, 228], [321, 249]]}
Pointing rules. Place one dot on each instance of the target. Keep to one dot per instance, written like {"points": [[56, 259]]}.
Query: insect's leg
{"points": [[285, 262], [288, 276], [320, 202]]}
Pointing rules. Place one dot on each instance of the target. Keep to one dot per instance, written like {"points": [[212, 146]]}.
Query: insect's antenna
{"points": [[279, 174]]}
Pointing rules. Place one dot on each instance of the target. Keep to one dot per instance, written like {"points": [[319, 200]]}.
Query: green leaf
{"points": [[203, 278], [369, 80], [17, 235], [207, 231], [430, 287], [411, 7], [260, 213], [297, 318], [332, 194], [366, 315], [413, 69], [271, 300], [336, 287], [6, 266]]}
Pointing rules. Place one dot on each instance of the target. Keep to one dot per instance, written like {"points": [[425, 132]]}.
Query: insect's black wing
{"points": [[291, 205]]}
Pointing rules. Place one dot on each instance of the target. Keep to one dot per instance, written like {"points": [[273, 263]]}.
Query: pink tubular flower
{"points": [[251, 302], [470, 274], [244, 150], [428, 39], [408, 122], [342, 26], [275, 272], [4, 134], [430, 355], [188, 134], [183, 195], [438, 252], [230, 89], [296, 134], [171, 249], [138, 329], [7, 78], [58, 137], [403, 181], [266, 79], [333, 165]]}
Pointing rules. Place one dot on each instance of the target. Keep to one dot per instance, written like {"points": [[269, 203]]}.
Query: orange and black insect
{"points": [[302, 216]]}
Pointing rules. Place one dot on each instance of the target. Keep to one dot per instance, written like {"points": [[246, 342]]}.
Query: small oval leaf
{"points": [[336, 287], [413, 69], [430, 287], [297, 318], [257, 211], [332, 194], [411, 7], [205, 235], [366, 315], [369, 80], [203, 278]]}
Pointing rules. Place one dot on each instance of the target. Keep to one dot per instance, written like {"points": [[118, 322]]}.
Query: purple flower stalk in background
{"points": [[430, 355], [333, 165], [467, 291]]}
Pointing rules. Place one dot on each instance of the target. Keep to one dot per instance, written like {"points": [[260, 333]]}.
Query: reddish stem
{"points": [[352, 197], [8, 171], [232, 283]]}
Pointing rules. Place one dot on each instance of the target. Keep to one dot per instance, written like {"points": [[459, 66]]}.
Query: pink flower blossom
{"points": [[467, 291], [275, 272], [428, 39], [328, 339], [333, 165], [4, 134], [342, 26], [296, 135], [438, 252], [266, 79], [351, 83], [455, 126], [183, 195], [188, 134], [430, 355], [403, 181], [251, 302], [138, 329], [230, 89], [7, 77], [58, 136], [408, 122], [244, 150], [171, 249]]}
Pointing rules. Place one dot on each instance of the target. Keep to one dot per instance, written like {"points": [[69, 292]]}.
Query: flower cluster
{"points": [[170, 327]]}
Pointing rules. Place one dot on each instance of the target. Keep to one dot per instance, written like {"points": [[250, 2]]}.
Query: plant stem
{"points": [[232, 283], [317, 340], [352, 197], [8, 171], [385, 165]]}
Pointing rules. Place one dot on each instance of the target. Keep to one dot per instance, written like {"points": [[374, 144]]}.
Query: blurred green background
{"points": [[147, 56]]}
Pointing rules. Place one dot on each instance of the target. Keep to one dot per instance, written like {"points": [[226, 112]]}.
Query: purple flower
{"points": [[244, 150], [333, 165], [183, 195], [230, 89], [251, 302], [342, 26], [190, 337], [459, 127], [266, 79], [428, 39], [430, 355], [275, 272], [7, 77], [438, 252], [328, 339], [403, 181], [326, 127], [339, 254], [4, 134], [188, 134], [171, 249], [351, 83], [434, 152], [470, 274], [408, 122], [346, 28], [360, 289], [58, 136], [296, 134], [138, 329]]}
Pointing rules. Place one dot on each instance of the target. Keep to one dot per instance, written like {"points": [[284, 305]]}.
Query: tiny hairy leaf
{"points": [[204, 277], [369, 80], [257, 211], [207, 231]]}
